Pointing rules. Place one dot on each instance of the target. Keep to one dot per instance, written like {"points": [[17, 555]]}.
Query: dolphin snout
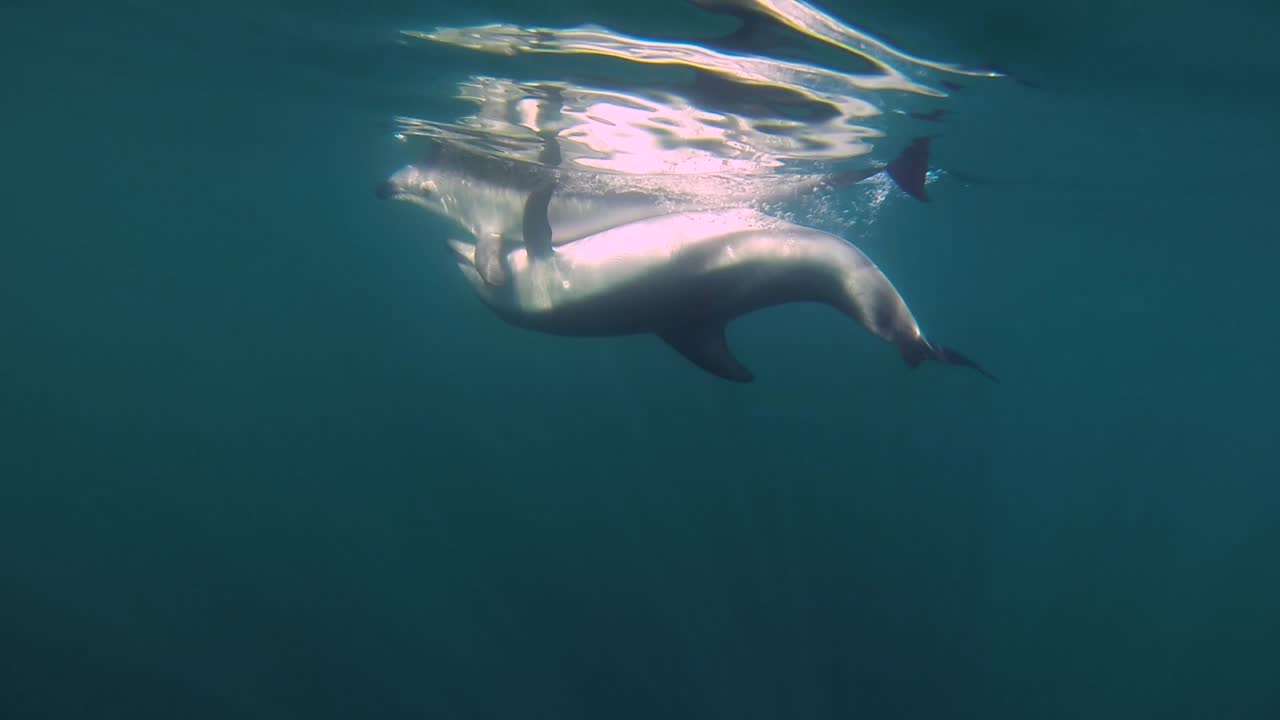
{"points": [[386, 189]]}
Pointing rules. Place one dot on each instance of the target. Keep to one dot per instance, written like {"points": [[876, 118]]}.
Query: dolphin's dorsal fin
{"points": [[705, 346], [537, 227], [910, 168]]}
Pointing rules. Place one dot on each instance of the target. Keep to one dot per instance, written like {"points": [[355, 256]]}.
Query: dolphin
{"points": [[684, 276], [488, 196]]}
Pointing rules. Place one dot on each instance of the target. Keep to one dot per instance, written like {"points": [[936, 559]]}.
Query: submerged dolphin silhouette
{"points": [[683, 276]]}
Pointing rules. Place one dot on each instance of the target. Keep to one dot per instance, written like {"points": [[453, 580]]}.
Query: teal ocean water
{"points": [[265, 455]]}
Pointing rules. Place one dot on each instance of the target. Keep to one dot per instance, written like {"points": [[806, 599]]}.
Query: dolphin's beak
{"points": [[386, 189]]}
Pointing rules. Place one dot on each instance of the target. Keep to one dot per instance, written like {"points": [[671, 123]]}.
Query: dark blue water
{"points": [[265, 455]]}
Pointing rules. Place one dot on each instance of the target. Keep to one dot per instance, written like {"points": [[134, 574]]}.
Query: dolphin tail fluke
{"points": [[916, 352], [908, 170]]}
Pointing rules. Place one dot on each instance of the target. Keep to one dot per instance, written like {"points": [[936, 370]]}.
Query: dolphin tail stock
{"points": [[908, 170], [917, 350]]}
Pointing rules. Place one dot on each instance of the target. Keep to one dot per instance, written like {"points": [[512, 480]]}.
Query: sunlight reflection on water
{"points": [[743, 119]]}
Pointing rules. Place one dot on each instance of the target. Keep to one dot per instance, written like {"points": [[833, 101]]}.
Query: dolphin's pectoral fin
{"points": [[464, 253], [488, 259], [705, 346], [911, 166], [537, 227]]}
